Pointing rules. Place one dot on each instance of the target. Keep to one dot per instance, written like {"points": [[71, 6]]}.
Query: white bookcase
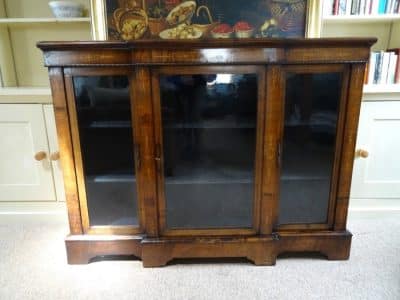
{"points": [[376, 178]]}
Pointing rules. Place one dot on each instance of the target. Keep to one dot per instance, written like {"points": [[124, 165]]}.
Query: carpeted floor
{"points": [[33, 266]]}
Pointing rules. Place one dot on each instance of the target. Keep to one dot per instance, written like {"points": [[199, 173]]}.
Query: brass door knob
{"points": [[55, 156], [362, 153], [39, 156]]}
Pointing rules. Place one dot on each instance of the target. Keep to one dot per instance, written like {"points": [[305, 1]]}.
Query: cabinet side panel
{"points": [[76, 148], [66, 151], [349, 142], [338, 145]]}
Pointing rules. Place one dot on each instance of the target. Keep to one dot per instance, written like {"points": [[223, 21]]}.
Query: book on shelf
{"points": [[383, 67], [382, 6], [360, 7], [396, 51]]}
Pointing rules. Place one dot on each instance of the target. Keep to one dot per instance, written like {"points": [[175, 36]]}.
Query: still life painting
{"points": [[131, 20]]}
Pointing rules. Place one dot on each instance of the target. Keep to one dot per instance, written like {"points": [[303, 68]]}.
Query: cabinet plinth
{"points": [[207, 149]]}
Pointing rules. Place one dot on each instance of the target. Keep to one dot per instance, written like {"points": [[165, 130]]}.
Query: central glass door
{"points": [[208, 136]]}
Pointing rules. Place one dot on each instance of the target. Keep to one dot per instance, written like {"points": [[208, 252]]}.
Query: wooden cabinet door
{"points": [[23, 134], [378, 175], [309, 145], [101, 112], [208, 132]]}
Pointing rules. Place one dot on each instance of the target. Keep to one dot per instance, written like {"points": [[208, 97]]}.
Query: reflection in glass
{"points": [[209, 134], [311, 111], [105, 131]]}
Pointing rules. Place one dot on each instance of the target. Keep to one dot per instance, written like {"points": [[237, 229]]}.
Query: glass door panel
{"points": [[209, 141], [106, 141], [308, 146]]}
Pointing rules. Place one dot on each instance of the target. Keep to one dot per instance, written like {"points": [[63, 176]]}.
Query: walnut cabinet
{"points": [[207, 149]]}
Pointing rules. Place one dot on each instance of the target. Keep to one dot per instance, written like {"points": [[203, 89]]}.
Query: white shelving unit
{"points": [[22, 24], [386, 27], [376, 179]]}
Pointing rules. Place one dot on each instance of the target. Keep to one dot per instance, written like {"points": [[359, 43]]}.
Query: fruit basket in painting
{"points": [[131, 24]]}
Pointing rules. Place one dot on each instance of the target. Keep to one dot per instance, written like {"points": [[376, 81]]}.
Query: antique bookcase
{"points": [[222, 148]]}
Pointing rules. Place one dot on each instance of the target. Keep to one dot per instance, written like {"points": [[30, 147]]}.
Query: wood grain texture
{"points": [[274, 104], [259, 155], [260, 250], [230, 43], [79, 169], [80, 179], [251, 51], [334, 245], [349, 144], [204, 57], [343, 70], [156, 73], [82, 248], [143, 63], [340, 132], [323, 55], [157, 252], [141, 92], [66, 151]]}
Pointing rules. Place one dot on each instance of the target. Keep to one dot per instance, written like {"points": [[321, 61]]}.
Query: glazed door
{"points": [[208, 154], [309, 145], [101, 112]]}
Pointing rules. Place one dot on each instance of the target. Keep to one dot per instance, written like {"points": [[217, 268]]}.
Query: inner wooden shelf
{"points": [[43, 95], [213, 124]]}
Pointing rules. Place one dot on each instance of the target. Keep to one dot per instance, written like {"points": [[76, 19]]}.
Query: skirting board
{"points": [[374, 204], [40, 208]]}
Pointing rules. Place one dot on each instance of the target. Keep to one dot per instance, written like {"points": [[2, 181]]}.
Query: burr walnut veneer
{"points": [[223, 148]]}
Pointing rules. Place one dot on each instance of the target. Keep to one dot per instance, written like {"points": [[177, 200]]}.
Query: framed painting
{"points": [[132, 20]]}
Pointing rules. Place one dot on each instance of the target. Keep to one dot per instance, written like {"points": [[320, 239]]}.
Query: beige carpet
{"points": [[33, 266]]}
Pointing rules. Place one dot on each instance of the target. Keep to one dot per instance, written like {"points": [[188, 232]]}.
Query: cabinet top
{"points": [[239, 51], [217, 43]]}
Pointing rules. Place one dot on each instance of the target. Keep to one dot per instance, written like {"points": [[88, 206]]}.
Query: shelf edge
{"points": [[14, 95], [361, 19], [22, 21]]}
